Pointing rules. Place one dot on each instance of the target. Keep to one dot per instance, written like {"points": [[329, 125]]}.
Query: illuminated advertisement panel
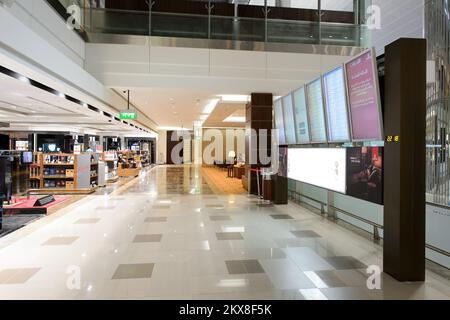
{"points": [[364, 98], [324, 168]]}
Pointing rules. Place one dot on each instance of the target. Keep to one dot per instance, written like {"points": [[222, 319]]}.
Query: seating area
{"points": [[225, 178]]}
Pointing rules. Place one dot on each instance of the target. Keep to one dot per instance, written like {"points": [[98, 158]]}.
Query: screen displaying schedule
{"points": [[336, 106], [279, 122], [316, 113], [301, 116], [289, 124]]}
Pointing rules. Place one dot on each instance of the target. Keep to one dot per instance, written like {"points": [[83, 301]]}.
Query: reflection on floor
{"points": [[165, 235], [220, 183]]}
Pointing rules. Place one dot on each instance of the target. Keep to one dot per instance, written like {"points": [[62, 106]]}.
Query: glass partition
{"points": [[327, 22]]}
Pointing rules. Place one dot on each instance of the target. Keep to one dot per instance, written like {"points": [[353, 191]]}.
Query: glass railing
{"points": [[179, 25], [163, 24], [210, 26]]}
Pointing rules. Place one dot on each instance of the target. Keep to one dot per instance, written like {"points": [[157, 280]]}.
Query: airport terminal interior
{"points": [[224, 150]]}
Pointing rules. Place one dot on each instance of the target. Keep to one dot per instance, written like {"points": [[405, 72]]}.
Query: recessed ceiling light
{"points": [[24, 79], [235, 119], [235, 98], [209, 108]]}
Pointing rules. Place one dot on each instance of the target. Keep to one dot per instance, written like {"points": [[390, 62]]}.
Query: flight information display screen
{"points": [[279, 122], [364, 98], [316, 114], [336, 106], [301, 116], [289, 123]]}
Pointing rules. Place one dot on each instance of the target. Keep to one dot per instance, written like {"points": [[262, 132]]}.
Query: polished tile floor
{"points": [[165, 235]]}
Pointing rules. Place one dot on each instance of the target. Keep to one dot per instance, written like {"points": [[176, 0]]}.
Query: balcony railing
{"points": [[214, 27], [208, 25]]}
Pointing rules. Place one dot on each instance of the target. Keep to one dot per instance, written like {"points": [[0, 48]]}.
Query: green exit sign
{"points": [[128, 116]]}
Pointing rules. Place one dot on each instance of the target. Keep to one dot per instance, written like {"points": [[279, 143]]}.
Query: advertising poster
{"points": [[301, 116], [365, 173], [364, 98], [336, 106], [316, 112], [324, 168]]}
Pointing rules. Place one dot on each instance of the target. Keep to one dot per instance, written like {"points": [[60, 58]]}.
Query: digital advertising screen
{"points": [[324, 168], [279, 122], [27, 157], [301, 116], [289, 123], [365, 173], [364, 98], [336, 106], [316, 114]]}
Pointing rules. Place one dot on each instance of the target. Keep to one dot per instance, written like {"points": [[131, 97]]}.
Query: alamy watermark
{"points": [[374, 280]]}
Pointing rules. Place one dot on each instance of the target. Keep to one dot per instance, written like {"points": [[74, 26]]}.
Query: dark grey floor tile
{"points": [[244, 267], [17, 276], [156, 219], [345, 263], [161, 207], [265, 205], [253, 266], [134, 271], [105, 208], [145, 238], [305, 234], [281, 217], [229, 236], [214, 206], [60, 241], [220, 218], [235, 267], [87, 221], [330, 279]]}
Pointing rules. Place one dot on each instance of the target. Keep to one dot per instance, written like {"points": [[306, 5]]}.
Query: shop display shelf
{"points": [[58, 177]]}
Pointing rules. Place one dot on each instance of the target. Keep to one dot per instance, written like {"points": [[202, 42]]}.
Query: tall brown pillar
{"points": [[404, 167], [259, 115]]}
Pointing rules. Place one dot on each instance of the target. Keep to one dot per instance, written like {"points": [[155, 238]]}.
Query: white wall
{"points": [[45, 22], [36, 42], [399, 18], [232, 71], [161, 147]]}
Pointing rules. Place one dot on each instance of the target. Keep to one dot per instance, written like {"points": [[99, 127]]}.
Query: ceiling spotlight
{"points": [[24, 79]]}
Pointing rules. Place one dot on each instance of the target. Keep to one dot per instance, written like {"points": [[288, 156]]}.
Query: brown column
{"points": [[404, 177], [259, 115]]}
